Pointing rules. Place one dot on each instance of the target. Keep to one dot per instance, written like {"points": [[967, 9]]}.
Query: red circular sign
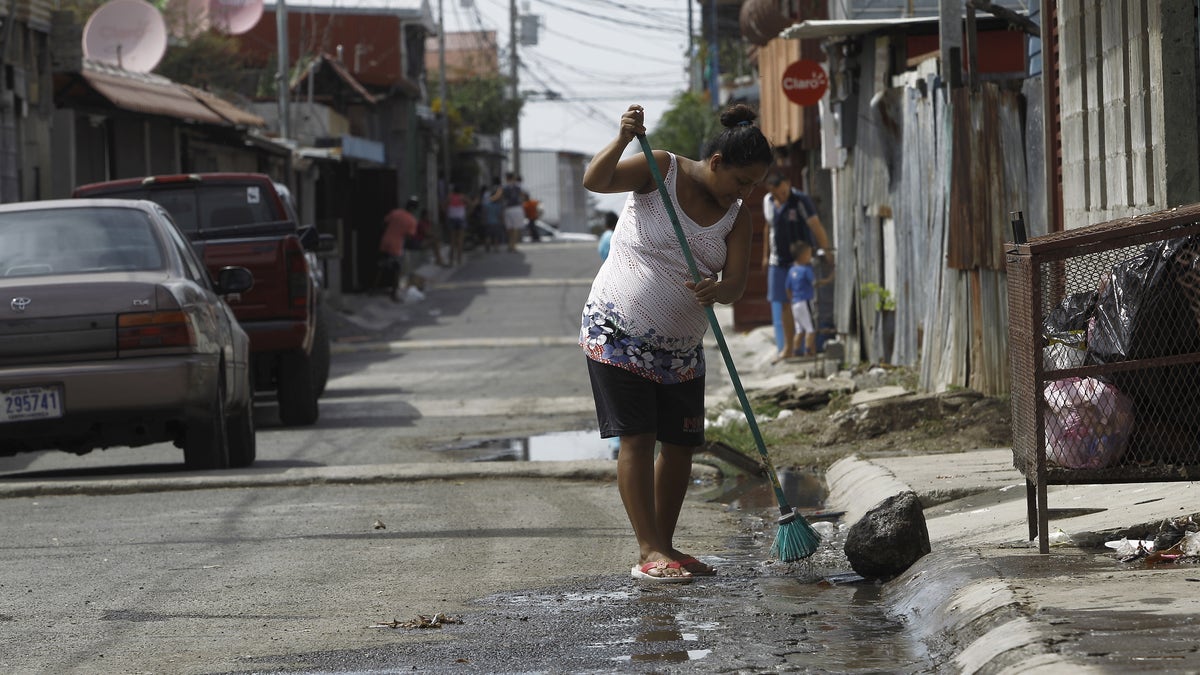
{"points": [[805, 82]]}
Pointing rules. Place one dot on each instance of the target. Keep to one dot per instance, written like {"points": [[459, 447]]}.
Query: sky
{"points": [[599, 55]]}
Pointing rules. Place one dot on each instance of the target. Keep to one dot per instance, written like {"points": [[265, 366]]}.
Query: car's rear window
{"points": [[208, 206], [74, 241]]}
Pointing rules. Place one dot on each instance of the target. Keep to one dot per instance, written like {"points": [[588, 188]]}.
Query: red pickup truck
{"points": [[241, 219]]}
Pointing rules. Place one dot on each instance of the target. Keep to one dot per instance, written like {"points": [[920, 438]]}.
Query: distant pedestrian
{"points": [[510, 197], [790, 216], [533, 209], [801, 289], [644, 322], [493, 217], [610, 224], [399, 225], [456, 222]]}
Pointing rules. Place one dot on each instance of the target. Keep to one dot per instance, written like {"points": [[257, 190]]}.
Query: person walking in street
{"points": [[644, 320], [533, 209], [456, 222], [399, 225], [791, 216], [493, 216], [610, 224], [510, 197]]}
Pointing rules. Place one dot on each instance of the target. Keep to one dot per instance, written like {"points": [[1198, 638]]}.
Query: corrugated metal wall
{"points": [[555, 179], [945, 172]]}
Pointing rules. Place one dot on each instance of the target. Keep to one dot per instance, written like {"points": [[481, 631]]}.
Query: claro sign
{"points": [[805, 82]]}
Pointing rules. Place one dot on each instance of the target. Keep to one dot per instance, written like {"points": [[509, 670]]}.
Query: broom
{"points": [[794, 537]]}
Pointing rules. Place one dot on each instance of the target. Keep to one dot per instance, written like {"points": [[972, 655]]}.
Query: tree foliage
{"points": [[686, 125], [481, 105], [209, 61]]}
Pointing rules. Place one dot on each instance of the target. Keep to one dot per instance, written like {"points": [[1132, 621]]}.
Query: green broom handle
{"points": [[784, 508]]}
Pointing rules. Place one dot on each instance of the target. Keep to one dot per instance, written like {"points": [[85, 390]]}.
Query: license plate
{"points": [[30, 403]]}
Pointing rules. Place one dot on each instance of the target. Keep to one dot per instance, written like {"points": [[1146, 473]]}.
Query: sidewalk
{"points": [[984, 600], [987, 599], [366, 317]]}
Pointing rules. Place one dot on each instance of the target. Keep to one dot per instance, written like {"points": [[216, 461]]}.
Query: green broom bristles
{"points": [[795, 539]]}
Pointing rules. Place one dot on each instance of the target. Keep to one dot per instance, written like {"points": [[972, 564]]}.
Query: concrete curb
{"points": [[971, 617], [578, 470]]}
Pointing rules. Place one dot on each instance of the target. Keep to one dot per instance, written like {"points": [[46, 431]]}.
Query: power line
{"points": [[633, 25], [643, 79], [589, 110]]}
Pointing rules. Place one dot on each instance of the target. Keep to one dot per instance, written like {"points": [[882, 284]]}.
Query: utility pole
{"points": [[714, 60], [512, 66], [692, 65], [442, 94], [281, 36]]}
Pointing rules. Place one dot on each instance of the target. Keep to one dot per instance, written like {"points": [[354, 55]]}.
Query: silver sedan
{"points": [[113, 334]]}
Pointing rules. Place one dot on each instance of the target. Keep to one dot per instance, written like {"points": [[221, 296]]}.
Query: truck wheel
{"points": [[320, 353], [243, 445], [297, 390], [206, 439]]}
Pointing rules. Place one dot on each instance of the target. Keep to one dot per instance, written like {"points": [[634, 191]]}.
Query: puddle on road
{"points": [[757, 615], [810, 615], [558, 446]]}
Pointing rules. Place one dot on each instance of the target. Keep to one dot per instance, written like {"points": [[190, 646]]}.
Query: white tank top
{"points": [[639, 315]]}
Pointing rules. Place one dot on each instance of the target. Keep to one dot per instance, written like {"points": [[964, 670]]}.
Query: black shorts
{"points": [[627, 404]]}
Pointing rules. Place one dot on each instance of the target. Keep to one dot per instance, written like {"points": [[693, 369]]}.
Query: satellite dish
{"points": [[129, 34], [188, 18], [235, 17]]}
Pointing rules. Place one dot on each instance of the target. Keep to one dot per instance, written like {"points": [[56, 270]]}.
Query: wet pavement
{"points": [[755, 616], [984, 601]]}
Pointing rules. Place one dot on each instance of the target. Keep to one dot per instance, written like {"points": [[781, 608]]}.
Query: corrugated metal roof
{"points": [[339, 70], [352, 6], [156, 95], [822, 28], [229, 111], [147, 93], [405, 9]]}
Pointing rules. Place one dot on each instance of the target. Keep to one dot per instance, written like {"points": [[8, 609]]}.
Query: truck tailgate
{"points": [[267, 259]]}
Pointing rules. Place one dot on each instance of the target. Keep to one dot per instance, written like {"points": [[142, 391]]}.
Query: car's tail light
{"points": [[297, 273], [169, 327], [155, 330]]}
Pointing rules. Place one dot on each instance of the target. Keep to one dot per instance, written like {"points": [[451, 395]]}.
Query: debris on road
{"points": [[437, 621]]}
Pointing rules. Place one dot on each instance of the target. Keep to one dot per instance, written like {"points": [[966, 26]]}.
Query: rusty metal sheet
{"points": [[233, 114], [151, 95], [989, 168]]}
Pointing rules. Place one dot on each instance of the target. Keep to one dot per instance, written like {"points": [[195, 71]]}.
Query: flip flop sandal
{"points": [[642, 572], [689, 561]]}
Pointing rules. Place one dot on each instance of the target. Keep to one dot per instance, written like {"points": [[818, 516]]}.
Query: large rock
{"points": [[889, 538]]}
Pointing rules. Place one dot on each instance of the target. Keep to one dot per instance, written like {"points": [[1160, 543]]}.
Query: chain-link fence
{"points": [[1104, 342]]}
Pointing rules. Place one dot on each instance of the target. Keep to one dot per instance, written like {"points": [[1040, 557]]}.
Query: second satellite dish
{"points": [[129, 34], [235, 16]]}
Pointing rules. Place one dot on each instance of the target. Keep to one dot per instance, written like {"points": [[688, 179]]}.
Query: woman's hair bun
{"points": [[738, 113]]}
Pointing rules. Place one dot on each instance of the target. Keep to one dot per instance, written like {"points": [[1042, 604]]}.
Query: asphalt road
{"points": [[314, 559]]}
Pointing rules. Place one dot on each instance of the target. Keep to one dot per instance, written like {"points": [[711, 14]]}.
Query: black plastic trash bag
{"points": [[1149, 307], [1064, 330]]}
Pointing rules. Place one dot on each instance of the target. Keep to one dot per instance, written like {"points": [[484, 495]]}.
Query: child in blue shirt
{"points": [[801, 289]]}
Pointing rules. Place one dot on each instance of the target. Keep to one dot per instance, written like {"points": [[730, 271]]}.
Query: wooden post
{"points": [[950, 30]]}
